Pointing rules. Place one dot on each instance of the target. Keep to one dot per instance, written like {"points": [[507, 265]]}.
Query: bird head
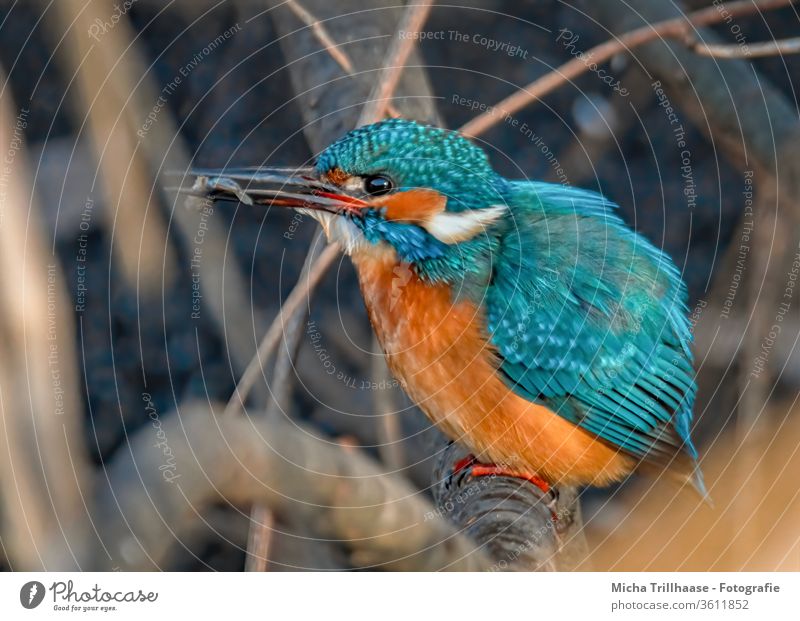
{"points": [[425, 193]]}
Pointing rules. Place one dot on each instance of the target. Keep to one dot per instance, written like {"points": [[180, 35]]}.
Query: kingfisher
{"points": [[525, 318]]}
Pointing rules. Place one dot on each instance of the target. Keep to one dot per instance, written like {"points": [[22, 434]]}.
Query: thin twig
{"points": [[271, 339], [280, 389], [330, 46], [675, 28], [392, 111], [390, 448], [282, 380], [396, 58], [259, 539], [750, 50]]}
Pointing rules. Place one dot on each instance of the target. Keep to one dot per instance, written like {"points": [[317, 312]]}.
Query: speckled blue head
{"points": [[431, 195], [418, 156]]}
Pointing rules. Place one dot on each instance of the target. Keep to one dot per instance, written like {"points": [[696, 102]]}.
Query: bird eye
{"points": [[377, 185]]}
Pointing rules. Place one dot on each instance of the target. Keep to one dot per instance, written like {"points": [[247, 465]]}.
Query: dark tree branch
{"points": [[377, 107], [678, 26], [281, 387], [331, 102], [728, 101], [521, 527]]}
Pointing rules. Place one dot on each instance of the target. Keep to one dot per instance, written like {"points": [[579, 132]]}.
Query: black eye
{"points": [[376, 185]]}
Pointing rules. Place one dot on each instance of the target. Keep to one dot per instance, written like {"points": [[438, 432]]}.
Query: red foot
{"points": [[463, 464], [482, 470]]}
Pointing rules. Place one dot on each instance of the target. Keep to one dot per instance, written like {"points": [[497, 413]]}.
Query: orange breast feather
{"points": [[438, 349]]}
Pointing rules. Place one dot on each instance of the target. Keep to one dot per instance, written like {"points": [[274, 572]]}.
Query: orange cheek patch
{"points": [[415, 206], [337, 176]]}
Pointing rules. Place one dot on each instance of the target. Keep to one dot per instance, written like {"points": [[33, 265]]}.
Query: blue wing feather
{"points": [[591, 319]]}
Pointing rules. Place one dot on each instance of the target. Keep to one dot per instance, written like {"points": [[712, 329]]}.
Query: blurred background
{"points": [[124, 310]]}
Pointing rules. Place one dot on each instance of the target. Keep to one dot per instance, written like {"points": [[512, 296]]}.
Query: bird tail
{"points": [[698, 484], [684, 471]]}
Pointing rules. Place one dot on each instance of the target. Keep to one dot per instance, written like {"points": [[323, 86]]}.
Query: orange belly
{"points": [[438, 350]]}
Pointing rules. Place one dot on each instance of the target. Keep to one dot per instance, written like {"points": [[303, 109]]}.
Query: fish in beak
{"points": [[299, 188]]}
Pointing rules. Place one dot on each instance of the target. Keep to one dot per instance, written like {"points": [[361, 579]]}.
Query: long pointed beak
{"points": [[281, 187]]}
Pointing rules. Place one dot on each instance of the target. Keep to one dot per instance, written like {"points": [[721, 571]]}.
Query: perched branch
{"points": [[491, 510], [340, 493], [676, 28]]}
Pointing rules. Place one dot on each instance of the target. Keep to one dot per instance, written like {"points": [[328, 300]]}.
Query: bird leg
{"points": [[477, 469], [470, 466]]}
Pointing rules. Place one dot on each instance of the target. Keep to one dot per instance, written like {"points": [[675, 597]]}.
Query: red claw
{"points": [[482, 470]]}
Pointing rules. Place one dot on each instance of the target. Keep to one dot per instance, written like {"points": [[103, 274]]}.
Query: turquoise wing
{"points": [[590, 319]]}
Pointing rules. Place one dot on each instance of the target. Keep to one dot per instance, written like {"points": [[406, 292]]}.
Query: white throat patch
{"points": [[451, 227], [338, 229]]}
